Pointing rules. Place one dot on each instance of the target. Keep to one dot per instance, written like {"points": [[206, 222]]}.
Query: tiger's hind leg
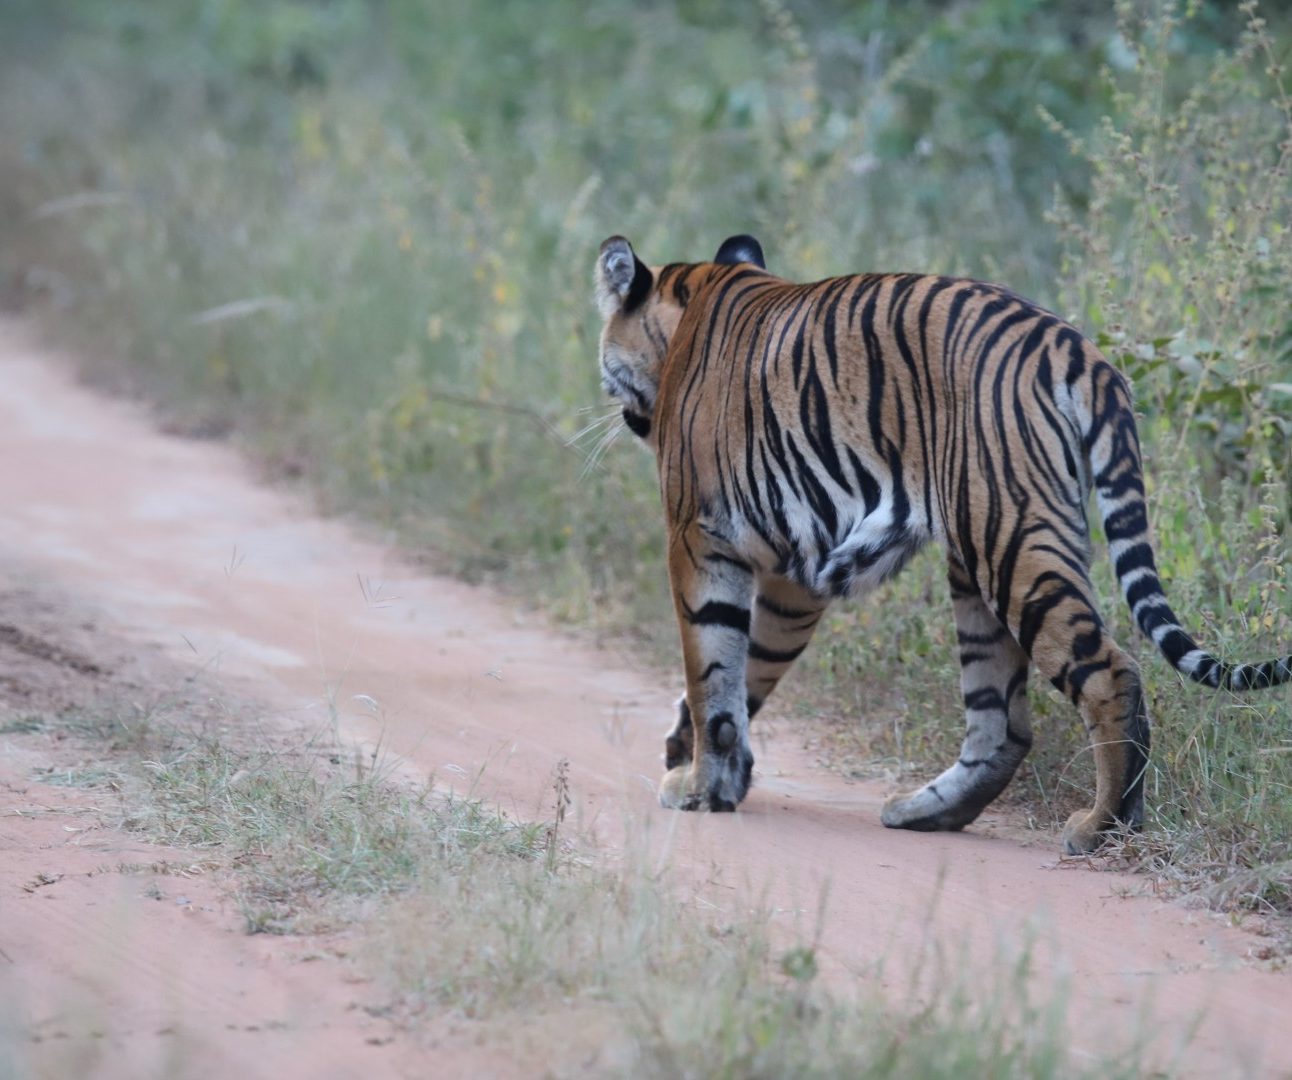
{"points": [[993, 678], [785, 616], [1056, 621]]}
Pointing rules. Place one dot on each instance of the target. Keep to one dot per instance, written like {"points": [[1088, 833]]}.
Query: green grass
{"points": [[689, 997], [317, 828], [506, 923], [359, 237]]}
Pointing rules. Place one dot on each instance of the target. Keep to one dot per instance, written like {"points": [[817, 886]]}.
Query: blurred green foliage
{"points": [[361, 232]]}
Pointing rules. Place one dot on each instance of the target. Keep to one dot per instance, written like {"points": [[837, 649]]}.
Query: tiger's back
{"points": [[835, 427]]}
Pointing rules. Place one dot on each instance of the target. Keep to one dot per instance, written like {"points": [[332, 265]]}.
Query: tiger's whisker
{"points": [[592, 426], [599, 451]]}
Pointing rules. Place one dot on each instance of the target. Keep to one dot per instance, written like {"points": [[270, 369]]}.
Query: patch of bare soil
{"points": [[197, 565], [124, 958]]}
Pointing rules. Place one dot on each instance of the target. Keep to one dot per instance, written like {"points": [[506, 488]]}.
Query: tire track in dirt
{"points": [[175, 541]]}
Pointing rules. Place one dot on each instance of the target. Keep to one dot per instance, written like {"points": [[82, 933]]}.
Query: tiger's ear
{"points": [[623, 280], [741, 249]]}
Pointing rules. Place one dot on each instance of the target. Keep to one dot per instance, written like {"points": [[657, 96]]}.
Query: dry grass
{"points": [[505, 922]]}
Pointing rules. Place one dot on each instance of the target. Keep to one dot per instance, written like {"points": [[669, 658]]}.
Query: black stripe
{"points": [[1155, 615], [1128, 522], [1018, 682], [1086, 645], [739, 564], [1176, 645], [801, 627], [781, 611], [866, 482], [814, 415], [717, 613], [984, 699], [964, 637], [1208, 671], [1136, 557], [1076, 678], [1143, 588], [818, 498], [1250, 678], [1038, 607], [774, 656]]}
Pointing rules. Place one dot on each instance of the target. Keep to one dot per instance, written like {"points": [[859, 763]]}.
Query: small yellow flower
{"points": [[309, 133], [218, 365]]}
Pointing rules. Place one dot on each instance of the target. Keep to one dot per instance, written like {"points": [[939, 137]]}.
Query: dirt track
{"points": [[176, 543]]}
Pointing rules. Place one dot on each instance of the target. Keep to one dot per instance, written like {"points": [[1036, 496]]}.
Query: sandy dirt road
{"points": [[185, 551]]}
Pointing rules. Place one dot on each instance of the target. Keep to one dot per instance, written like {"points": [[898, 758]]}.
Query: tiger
{"points": [[811, 438]]}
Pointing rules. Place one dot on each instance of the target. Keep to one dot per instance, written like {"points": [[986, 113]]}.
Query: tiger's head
{"points": [[641, 308]]}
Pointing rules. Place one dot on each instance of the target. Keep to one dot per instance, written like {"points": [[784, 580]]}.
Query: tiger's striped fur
{"points": [[811, 438]]}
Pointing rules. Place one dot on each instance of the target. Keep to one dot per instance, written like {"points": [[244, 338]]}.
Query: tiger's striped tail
{"points": [[1112, 447]]}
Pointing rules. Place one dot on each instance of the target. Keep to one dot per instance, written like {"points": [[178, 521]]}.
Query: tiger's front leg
{"points": [[784, 616], [712, 592]]}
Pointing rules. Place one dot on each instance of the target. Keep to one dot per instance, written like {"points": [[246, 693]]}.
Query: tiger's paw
{"points": [[925, 811], [720, 787], [1086, 831], [677, 791]]}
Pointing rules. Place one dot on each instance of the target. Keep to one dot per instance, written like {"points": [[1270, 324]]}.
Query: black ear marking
{"points": [[623, 280], [741, 249], [641, 284]]}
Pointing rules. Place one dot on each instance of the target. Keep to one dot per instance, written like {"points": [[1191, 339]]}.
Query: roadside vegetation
{"points": [[358, 236], [505, 922]]}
